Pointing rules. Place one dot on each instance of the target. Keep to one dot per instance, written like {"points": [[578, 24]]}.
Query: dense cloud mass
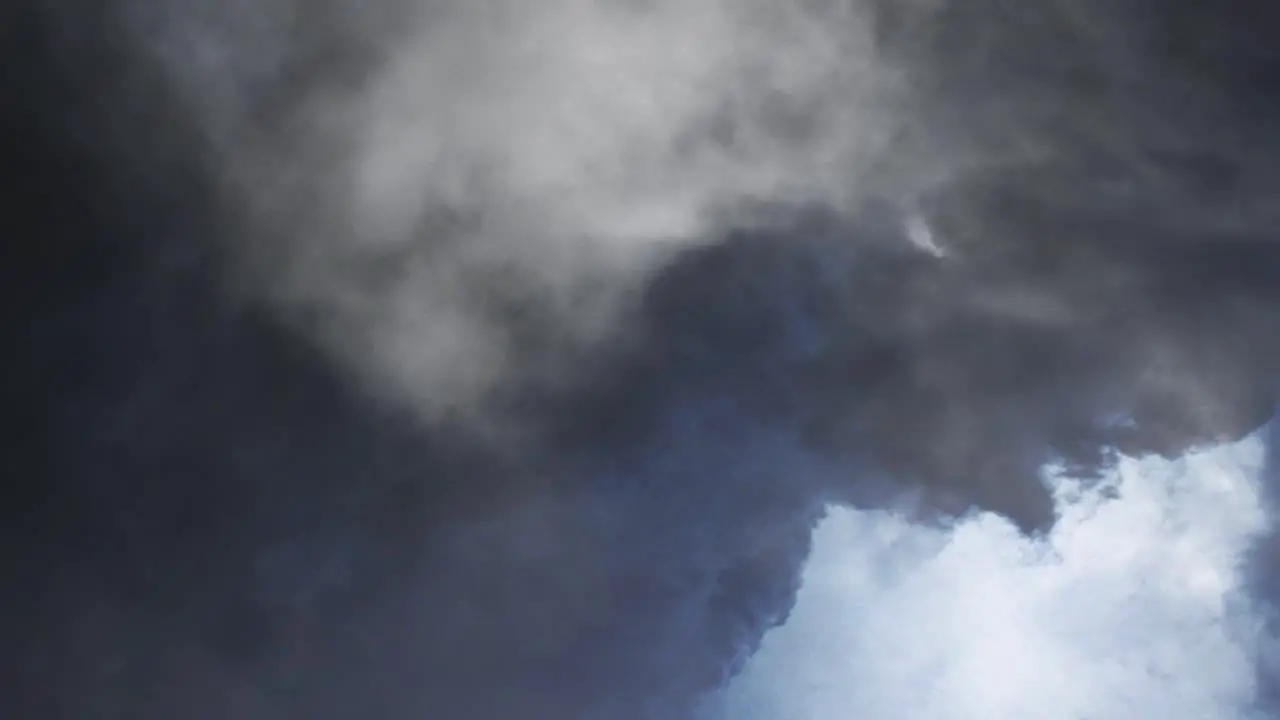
{"points": [[475, 360]]}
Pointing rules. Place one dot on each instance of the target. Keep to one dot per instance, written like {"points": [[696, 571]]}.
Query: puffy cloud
{"points": [[1131, 607]]}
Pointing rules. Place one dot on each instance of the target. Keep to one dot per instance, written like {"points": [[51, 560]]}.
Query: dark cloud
{"points": [[207, 515]]}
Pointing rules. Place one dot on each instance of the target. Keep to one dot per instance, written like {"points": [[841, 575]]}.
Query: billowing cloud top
{"points": [[1131, 607]]}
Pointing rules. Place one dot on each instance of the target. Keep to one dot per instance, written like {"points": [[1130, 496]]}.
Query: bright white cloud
{"points": [[1126, 611]]}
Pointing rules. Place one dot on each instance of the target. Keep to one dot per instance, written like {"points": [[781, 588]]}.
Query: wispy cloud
{"points": [[501, 154]]}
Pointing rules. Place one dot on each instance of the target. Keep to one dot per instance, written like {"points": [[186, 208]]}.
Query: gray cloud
{"points": [[708, 267], [501, 154]]}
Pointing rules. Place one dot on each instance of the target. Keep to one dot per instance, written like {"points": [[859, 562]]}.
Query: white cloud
{"points": [[1126, 611]]}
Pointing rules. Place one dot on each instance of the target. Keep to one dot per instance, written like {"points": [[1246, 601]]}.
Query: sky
{"points": [[1131, 607]]}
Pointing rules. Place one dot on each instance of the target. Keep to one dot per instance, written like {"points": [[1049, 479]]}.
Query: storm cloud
{"points": [[497, 359]]}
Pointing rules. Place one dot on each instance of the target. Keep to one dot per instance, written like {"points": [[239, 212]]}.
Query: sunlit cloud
{"points": [[1129, 608]]}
